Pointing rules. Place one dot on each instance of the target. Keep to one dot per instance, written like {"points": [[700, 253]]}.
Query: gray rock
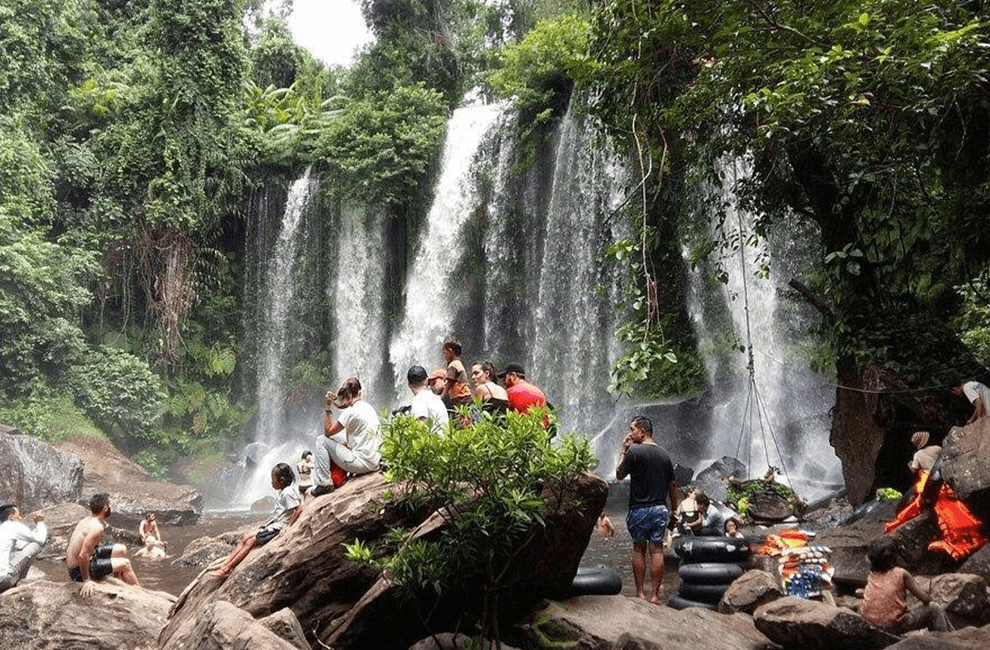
{"points": [[966, 460], [964, 598], [812, 625], [978, 563], [221, 626], [546, 567], [607, 622], [448, 641], [133, 491], [43, 615], [712, 478], [970, 638], [35, 475], [285, 625], [749, 591], [304, 567]]}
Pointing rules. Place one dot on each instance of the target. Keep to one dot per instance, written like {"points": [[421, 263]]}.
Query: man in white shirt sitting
{"points": [[426, 405], [19, 545]]}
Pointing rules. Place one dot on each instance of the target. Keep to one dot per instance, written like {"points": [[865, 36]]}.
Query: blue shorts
{"points": [[648, 524]]}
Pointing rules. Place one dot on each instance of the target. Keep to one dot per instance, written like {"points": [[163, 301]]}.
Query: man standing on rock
{"points": [[651, 482], [88, 560], [19, 545]]}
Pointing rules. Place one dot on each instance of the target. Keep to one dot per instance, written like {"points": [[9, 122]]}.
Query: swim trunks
{"points": [[100, 565], [647, 523]]}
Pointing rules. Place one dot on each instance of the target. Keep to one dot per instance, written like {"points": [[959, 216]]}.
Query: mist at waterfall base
{"points": [[511, 259]]}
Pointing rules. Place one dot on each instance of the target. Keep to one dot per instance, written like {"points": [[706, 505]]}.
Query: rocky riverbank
{"points": [[300, 592]]}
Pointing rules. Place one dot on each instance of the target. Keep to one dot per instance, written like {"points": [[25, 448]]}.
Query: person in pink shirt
{"points": [[884, 602]]}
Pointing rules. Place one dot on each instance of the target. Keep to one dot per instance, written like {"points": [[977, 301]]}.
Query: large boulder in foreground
{"points": [[749, 591], [304, 568], [35, 475], [221, 626], [43, 615], [607, 622], [545, 567], [812, 625], [133, 491]]}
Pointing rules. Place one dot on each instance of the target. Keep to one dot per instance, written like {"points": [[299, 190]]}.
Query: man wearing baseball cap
{"points": [[523, 395]]}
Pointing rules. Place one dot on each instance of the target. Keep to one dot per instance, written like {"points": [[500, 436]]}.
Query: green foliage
{"points": [[482, 480], [43, 49], [888, 494], [120, 393], [866, 119], [41, 287], [46, 416], [276, 60], [972, 323], [540, 71], [383, 144]]}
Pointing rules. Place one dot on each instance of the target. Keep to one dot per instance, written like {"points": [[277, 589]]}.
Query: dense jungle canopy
{"points": [[131, 134]]}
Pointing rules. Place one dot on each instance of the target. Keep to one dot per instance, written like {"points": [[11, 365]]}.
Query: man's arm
{"points": [[89, 544], [330, 426], [916, 589], [621, 471]]}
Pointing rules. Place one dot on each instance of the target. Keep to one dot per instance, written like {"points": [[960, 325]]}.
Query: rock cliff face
{"points": [[43, 615], [34, 475], [132, 490]]}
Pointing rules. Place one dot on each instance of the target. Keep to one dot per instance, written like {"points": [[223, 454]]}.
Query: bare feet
{"points": [[220, 572], [656, 600]]}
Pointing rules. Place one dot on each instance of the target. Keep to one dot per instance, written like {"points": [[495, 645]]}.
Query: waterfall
{"points": [[574, 344], [279, 294], [784, 420], [356, 296], [435, 292]]}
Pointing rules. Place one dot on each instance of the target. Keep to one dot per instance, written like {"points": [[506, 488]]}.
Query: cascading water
{"points": [[280, 292], [434, 295], [780, 418], [574, 346], [356, 296]]}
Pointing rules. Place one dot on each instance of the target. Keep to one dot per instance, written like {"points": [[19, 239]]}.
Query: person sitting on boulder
{"points": [[884, 600], [19, 545], [88, 560], [978, 395], [358, 452], [286, 512]]}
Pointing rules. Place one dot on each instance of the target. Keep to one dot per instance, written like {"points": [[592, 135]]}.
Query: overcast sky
{"points": [[330, 29]]}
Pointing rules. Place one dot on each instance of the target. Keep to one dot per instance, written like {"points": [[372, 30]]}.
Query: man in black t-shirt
{"points": [[651, 482]]}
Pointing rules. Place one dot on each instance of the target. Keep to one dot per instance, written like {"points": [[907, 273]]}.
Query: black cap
{"points": [[512, 367], [416, 375]]}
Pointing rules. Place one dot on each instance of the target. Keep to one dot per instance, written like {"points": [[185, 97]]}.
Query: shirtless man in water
{"points": [[86, 559]]}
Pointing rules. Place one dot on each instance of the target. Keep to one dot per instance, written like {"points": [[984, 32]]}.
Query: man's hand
{"points": [[329, 400], [39, 517], [87, 589]]}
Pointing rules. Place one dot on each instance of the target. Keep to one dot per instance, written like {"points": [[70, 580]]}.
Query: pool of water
{"points": [[163, 575]]}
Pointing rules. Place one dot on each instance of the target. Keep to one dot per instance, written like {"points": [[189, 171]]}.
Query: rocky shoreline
{"points": [[300, 592]]}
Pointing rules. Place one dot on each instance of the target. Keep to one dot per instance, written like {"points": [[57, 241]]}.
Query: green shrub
{"points": [[481, 479], [120, 393]]}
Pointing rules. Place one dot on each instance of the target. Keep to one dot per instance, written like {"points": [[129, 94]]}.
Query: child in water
{"points": [[286, 512]]}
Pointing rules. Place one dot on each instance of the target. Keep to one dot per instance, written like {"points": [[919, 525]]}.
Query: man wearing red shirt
{"points": [[523, 395]]}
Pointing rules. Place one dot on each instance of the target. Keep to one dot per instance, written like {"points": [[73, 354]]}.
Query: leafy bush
{"points": [[540, 71], [120, 393], [47, 417], [383, 144], [482, 480]]}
